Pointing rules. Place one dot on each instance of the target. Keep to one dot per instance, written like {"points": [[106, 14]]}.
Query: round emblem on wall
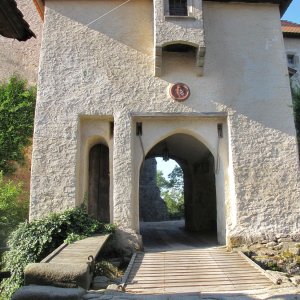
{"points": [[179, 91]]}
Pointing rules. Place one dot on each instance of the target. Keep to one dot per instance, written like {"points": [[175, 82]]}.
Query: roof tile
{"points": [[290, 28]]}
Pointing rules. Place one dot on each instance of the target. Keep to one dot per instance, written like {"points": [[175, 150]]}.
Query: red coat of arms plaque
{"points": [[179, 91]]}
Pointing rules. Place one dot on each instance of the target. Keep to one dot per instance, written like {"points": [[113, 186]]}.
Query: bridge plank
{"points": [[81, 250], [197, 270]]}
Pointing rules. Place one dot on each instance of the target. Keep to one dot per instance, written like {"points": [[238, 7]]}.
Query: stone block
{"points": [[285, 240], [48, 293], [295, 280], [100, 282], [278, 247], [271, 244], [295, 250], [60, 275], [113, 287]]}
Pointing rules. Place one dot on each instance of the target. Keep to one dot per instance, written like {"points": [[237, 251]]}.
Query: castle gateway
{"points": [[207, 82]]}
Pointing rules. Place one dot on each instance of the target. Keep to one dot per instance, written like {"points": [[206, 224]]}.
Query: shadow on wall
{"points": [[113, 19], [235, 78]]}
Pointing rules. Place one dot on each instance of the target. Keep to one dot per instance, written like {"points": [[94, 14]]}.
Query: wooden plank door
{"points": [[98, 203]]}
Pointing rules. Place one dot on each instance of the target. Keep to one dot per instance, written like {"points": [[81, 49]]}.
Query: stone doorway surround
{"points": [[202, 127], [95, 131]]}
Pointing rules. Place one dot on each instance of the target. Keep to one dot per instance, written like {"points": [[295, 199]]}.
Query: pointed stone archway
{"points": [[197, 163]]}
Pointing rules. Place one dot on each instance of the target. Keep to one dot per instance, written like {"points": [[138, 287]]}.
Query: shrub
{"points": [[17, 105], [107, 269], [33, 241], [13, 209], [296, 108]]}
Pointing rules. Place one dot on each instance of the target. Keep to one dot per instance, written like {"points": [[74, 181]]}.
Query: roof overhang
{"points": [[292, 71], [40, 6], [12, 23], [283, 4], [290, 29], [294, 35]]}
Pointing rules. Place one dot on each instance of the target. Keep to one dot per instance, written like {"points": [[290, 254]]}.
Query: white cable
{"points": [[142, 148], [107, 13]]}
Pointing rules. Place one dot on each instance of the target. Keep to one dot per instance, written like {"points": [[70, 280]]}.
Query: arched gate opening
{"points": [[197, 164]]}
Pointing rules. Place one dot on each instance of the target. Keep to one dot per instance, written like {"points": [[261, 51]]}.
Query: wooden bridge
{"points": [[198, 270], [177, 261]]}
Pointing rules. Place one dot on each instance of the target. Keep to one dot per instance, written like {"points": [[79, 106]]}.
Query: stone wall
{"points": [[152, 206], [22, 58]]}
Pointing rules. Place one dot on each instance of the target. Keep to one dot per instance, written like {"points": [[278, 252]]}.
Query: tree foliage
{"points": [[13, 209], [175, 204], [17, 105], [172, 191], [296, 108], [33, 241], [161, 181], [176, 179]]}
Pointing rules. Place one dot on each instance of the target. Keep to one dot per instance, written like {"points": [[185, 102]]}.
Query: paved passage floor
{"points": [[170, 235], [175, 261]]}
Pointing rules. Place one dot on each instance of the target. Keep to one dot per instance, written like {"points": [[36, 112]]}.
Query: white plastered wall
{"points": [[157, 128]]}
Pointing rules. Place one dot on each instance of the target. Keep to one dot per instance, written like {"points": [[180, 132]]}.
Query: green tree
{"points": [[17, 105], [296, 108], [13, 209], [175, 204], [161, 181], [172, 191], [176, 179]]}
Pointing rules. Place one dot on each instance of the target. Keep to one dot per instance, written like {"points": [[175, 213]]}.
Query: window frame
{"points": [[291, 57], [295, 57], [190, 10]]}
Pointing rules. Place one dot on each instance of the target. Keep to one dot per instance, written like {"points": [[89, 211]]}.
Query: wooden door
{"points": [[98, 197]]}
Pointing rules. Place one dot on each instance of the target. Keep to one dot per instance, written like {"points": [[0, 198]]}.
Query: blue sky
{"points": [[165, 166], [293, 12]]}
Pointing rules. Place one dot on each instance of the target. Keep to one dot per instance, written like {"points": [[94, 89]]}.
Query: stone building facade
{"points": [[291, 34], [106, 71]]}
